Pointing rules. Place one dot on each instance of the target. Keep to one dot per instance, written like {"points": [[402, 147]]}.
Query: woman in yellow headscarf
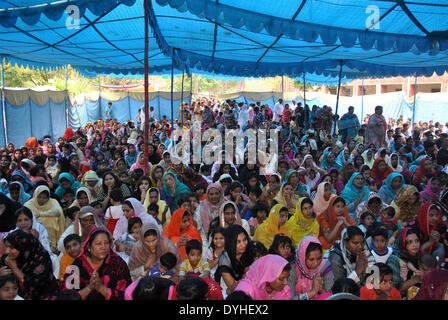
{"points": [[303, 223], [286, 197], [273, 225], [153, 196]]}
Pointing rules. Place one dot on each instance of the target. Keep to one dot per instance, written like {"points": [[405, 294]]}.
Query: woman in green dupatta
{"points": [[173, 189]]}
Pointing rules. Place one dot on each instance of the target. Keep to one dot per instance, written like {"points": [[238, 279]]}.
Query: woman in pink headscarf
{"points": [[267, 279], [311, 277], [140, 163], [209, 209]]}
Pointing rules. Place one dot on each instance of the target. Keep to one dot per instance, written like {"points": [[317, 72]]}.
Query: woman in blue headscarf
{"points": [[328, 161], [292, 176], [355, 192], [390, 187], [173, 189], [63, 185], [19, 175], [17, 192]]}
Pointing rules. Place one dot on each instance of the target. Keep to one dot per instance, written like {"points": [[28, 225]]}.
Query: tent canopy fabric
{"points": [[368, 38]]}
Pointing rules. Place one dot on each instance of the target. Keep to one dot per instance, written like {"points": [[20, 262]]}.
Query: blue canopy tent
{"points": [[321, 41]]}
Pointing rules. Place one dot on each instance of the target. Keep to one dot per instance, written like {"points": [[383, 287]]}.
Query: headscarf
{"points": [[340, 160], [338, 184], [299, 187], [428, 195], [88, 193], [27, 183], [368, 162], [301, 226], [179, 190], [434, 285], [423, 224], [31, 143], [329, 219], [173, 232], [280, 198], [122, 224], [74, 185], [378, 176], [7, 217], [152, 171], [209, 211], [138, 165], [55, 224], [265, 270], [404, 211], [325, 165], [387, 187], [398, 168], [405, 255], [141, 251], [213, 293], [35, 264], [351, 193], [89, 211], [319, 202], [68, 133], [347, 256], [23, 197], [92, 176], [420, 171], [305, 276], [363, 206]]}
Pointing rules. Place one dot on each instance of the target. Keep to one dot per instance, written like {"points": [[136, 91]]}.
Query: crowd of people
{"points": [[362, 212]]}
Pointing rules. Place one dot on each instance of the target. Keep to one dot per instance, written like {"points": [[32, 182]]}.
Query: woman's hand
{"points": [[5, 271], [11, 263], [316, 287], [361, 263]]}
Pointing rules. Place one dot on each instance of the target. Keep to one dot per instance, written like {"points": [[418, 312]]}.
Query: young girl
{"points": [[259, 214], [9, 287], [115, 211], [216, 248], [283, 247], [125, 243], [259, 250], [365, 221], [384, 290]]}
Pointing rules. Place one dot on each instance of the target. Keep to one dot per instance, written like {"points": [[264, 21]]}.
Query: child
{"points": [[365, 221], [127, 240], [260, 250], [51, 167], [259, 214], [163, 269], [282, 246], [70, 214], [67, 198], [153, 209], [384, 290], [96, 205], [360, 137], [380, 251], [184, 202], [200, 189], [194, 264], [72, 246], [391, 222], [115, 211], [216, 249], [194, 201], [9, 287]]}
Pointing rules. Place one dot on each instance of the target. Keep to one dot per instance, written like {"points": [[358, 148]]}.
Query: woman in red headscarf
{"points": [[68, 133], [424, 168], [431, 227], [31, 143], [380, 171]]}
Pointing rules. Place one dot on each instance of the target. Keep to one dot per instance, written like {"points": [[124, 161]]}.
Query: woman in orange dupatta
{"points": [[332, 221], [180, 230]]}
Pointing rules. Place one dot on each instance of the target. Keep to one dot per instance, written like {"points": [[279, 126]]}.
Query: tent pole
{"points": [[362, 101], [191, 87], [337, 99], [182, 101], [172, 102], [146, 151], [66, 102], [304, 102], [415, 100], [3, 101], [99, 92], [283, 88]]}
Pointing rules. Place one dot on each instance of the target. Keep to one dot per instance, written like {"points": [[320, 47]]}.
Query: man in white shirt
{"points": [[293, 106], [278, 111]]}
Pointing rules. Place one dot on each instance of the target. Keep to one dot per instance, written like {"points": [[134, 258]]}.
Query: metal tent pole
{"points": [[337, 99], [307, 120], [182, 101], [283, 88], [146, 151], [413, 107], [362, 101], [66, 100], [3, 102], [191, 87], [172, 102]]}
